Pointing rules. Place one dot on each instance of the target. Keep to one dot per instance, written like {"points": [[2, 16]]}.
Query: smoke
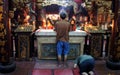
{"points": [[62, 10]]}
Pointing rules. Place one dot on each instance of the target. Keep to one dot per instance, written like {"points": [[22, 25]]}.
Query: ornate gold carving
{"points": [[2, 34], [2, 31], [2, 51], [2, 43], [23, 52], [1, 26], [42, 41], [1, 8], [23, 46], [23, 28], [1, 17], [4, 54]]}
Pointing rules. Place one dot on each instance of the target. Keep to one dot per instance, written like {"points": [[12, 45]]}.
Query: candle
{"points": [[112, 24]]}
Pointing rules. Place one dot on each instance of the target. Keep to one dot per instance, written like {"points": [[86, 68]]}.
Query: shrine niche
{"points": [[89, 12], [24, 12], [91, 16], [51, 9]]}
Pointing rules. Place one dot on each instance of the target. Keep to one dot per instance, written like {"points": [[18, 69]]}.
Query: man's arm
{"points": [[76, 62]]}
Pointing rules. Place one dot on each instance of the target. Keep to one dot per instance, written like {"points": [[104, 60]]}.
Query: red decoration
{"points": [[76, 71], [78, 1], [42, 72], [63, 72]]}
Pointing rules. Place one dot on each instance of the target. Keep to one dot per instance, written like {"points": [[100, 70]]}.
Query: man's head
{"points": [[63, 15]]}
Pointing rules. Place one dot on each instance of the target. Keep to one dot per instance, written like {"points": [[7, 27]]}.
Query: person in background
{"points": [[62, 28], [86, 64]]}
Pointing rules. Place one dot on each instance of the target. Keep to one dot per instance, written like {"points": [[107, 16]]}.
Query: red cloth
{"points": [[63, 72], [56, 72], [42, 72], [76, 71]]}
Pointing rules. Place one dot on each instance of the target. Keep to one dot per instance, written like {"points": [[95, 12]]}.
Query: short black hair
{"points": [[63, 15]]}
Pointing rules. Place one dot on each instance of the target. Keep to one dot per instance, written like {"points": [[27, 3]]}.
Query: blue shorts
{"points": [[62, 47]]}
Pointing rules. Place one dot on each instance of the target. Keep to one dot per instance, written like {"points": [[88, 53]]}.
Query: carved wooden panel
{"points": [[47, 47], [23, 46], [96, 44], [49, 51], [24, 43]]}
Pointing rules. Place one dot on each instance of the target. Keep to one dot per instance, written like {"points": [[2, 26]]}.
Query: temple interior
{"points": [[28, 39]]}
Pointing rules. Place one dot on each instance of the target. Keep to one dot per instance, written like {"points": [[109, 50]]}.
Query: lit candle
{"points": [[112, 24], [80, 18], [106, 26], [85, 18]]}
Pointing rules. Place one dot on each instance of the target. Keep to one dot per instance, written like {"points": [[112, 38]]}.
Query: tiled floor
{"points": [[26, 67]]}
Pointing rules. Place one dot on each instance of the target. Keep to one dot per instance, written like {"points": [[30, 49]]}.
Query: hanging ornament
{"points": [[78, 1]]}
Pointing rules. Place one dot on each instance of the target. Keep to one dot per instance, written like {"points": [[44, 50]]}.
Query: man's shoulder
{"points": [[66, 22], [85, 55], [59, 22], [63, 21]]}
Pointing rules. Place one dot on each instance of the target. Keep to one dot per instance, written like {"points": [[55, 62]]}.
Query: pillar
{"points": [[6, 64]]}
